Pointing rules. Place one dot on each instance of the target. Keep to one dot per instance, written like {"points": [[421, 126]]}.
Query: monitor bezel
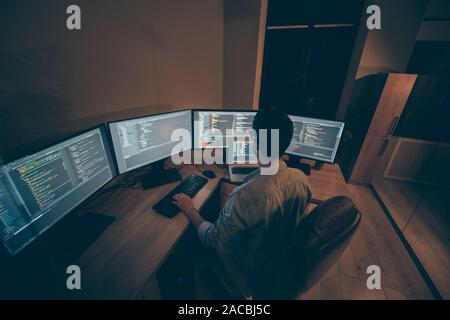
{"points": [[108, 124], [316, 159], [48, 146], [52, 143]]}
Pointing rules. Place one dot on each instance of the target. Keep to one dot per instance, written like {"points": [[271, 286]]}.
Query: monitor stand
{"points": [[294, 162], [318, 165], [159, 176]]}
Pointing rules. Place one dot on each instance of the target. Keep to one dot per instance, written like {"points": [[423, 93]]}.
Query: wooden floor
{"points": [[423, 215], [375, 243]]}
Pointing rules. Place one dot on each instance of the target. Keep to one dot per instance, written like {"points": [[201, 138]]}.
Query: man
{"points": [[258, 221]]}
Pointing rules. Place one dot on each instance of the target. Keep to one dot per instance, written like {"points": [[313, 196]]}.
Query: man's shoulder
{"points": [[296, 175], [263, 186]]}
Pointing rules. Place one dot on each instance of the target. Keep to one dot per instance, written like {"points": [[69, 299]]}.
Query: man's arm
{"points": [[186, 205], [219, 233]]}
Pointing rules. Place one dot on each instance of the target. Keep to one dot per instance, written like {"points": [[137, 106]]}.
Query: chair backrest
{"points": [[321, 238]]}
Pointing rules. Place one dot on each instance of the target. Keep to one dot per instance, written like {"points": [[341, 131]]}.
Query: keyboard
{"points": [[189, 186], [243, 170]]}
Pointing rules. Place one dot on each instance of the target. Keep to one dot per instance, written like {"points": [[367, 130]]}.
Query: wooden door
{"points": [[387, 113]]}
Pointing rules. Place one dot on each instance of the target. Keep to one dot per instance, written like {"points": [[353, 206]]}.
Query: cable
{"points": [[130, 180], [101, 196]]}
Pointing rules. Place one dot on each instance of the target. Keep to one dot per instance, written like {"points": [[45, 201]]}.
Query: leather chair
{"points": [[320, 239]]}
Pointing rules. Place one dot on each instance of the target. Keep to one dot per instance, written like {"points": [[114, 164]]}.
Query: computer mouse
{"points": [[209, 174]]}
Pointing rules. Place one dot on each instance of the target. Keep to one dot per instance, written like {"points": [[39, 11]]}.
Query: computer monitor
{"points": [[141, 141], [39, 189], [315, 138], [210, 131]]}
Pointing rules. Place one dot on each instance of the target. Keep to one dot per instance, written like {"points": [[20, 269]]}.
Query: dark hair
{"points": [[274, 119]]}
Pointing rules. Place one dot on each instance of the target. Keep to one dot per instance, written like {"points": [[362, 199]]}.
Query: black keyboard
{"points": [[243, 170], [190, 186]]}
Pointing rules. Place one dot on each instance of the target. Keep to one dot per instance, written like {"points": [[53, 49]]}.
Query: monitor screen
{"points": [[38, 190], [243, 151], [141, 141], [315, 138], [210, 131]]}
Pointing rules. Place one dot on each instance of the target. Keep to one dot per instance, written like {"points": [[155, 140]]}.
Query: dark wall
{"points": [[307, 52], [430, 57], [389, 49], [130, 58], [304, 69], [298, 12], [427, 112], [241, 31]]}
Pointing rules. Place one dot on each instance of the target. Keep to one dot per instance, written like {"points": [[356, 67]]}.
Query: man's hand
{"points": [[183, 202], [186, 205]]}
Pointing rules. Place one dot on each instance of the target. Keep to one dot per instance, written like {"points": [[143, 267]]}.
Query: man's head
{"points": [[274, 119]]}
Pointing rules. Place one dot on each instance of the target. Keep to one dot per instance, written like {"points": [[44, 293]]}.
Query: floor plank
{"points": [[315, 293], [347, 264], [351, 288], [392, 294], [426, 229], [331, 285], [410, 280], [375, 242]]}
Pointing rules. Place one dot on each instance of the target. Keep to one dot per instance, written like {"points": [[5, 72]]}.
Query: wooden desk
{"points": [[325, 183], [122, 263]]}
